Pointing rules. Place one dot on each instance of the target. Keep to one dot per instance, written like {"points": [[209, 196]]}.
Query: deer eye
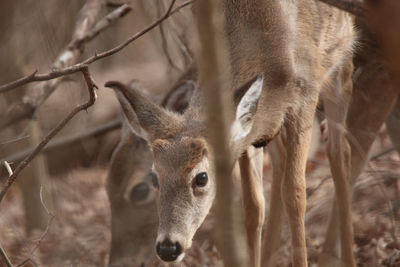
{"points": [[139, 192], [201, 179], [154, 179]]}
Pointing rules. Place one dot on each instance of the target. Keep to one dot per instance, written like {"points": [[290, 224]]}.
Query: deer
{"points": [[131, 183], [284, 56], [374, 102]]}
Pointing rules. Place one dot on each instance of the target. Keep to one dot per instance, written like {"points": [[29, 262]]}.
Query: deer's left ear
{"points": [[246, 101]]}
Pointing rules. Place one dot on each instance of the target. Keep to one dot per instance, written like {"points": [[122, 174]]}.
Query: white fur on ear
{"points": [[246, 109]]}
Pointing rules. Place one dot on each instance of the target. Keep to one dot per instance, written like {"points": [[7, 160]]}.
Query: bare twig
{"points": [[354, 7], [103, 24], [78, 67], [21, 110], [184, 47], [5, 257], [61, 142], [86, 20], [114, 4], [387, 151], [92, 98], [85, 30], [311, 191], [40, 239], [8, 167], [164, 41]]}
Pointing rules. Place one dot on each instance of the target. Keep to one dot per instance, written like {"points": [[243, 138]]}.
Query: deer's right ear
{"points": [[179, 96], [146, 118], [129, 116]]}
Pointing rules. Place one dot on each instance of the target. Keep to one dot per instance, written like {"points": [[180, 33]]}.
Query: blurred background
{"points": [[72, 207]]}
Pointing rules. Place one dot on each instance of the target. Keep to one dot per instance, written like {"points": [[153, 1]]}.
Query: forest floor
{"points": [[79, 233]]}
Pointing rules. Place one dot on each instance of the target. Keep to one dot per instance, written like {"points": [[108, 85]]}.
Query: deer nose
{"points": [[168, 251]]}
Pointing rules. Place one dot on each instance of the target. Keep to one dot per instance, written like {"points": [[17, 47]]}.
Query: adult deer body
{"points": [[294, 49]]}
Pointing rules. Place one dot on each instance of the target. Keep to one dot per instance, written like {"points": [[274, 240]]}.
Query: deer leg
{"points": [[298, 128], [251, 165], [370, 105], [273, 229], [338, 152]]}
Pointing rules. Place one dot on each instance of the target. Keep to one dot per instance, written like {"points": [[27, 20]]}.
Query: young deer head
{"points": [[183, 159], [130, 185]]}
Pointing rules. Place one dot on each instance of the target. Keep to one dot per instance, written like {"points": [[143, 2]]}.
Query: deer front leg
{"points": [[293, 189], [251, 170], [273, 229]]}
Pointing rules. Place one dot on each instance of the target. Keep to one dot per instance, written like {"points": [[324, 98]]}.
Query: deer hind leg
{"points": [[338, 151], [370, 104], [273, 229], [251, 170]]}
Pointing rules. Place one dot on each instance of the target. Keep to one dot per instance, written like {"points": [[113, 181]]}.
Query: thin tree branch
{"points": [[92, 98], [23, 110], [61, 142], [49, 221], [86, 20], [78, 67], [114, 4], [85, 30], [387, 151], [8, 168], [311, 191], [354, 7], [103, 24], [5, 257], [164, 41]]}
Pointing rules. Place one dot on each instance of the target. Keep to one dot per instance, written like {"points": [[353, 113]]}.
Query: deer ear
{"points": [[146, 118], [129, 116], [246, 101], [178, 97]]}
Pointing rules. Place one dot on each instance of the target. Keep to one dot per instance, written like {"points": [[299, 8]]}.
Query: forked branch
{"points": [[92, 98], [86, 20], [80, 66], [25, 108], [85, 30]]}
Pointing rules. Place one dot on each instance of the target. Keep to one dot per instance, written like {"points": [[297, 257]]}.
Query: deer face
{"points": [[134, 213], [186, 191], [183, 161]]}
